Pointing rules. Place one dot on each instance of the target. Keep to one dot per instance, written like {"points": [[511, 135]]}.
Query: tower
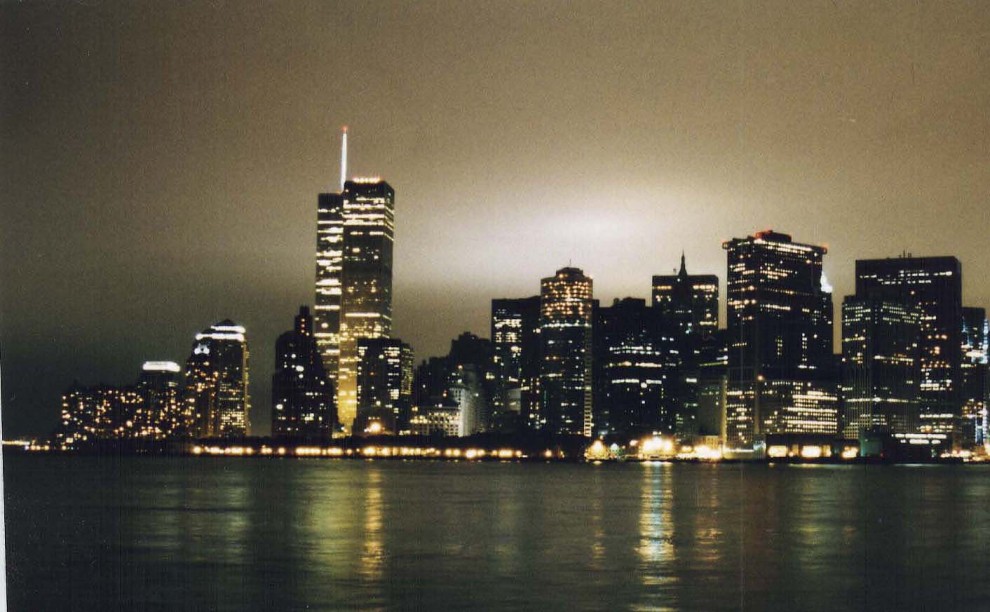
{"points": [[303, 397], [217, 382], [355, 235], [780, 340], [565, 337]]}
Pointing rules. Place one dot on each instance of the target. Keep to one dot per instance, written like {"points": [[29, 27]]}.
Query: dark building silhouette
{"points": [[565, 388], [303, 395], [781, 367], [688, 306], [932, 285], [636, 367], [975, 384], [385, 382], [515, 329], [881, 368], [216, 392]]}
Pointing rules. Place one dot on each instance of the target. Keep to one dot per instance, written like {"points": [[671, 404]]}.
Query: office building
{"points": [[303, 395], [355, 236], [217, 400], [637, 369], [975, 385], [880, 367], [162, 412], [515, 329], [385, 381], [565, 387], [932, 285], [780, 363]]}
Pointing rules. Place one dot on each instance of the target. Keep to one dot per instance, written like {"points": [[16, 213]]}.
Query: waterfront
{"points": [[273, 534]]}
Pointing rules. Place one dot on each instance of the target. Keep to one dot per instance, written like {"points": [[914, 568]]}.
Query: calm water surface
{"points": [[284, 534]]}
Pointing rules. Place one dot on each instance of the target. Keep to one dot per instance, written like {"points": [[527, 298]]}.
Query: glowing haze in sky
{"points": [[160, 163]]}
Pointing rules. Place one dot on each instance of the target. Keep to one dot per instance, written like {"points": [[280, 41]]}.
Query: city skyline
{"points": [[164, 207]]}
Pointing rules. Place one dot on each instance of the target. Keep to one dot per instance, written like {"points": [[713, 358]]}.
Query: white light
{"points": [[161, 366]]}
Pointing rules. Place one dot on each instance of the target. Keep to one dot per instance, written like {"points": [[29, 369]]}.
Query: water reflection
{"points": [[656, 536], [373, 554]]}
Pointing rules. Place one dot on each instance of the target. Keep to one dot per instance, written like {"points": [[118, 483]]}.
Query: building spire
{"points": [[683, 271], [343, 160]]}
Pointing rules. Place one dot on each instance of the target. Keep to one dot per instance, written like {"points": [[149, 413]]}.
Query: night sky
{"points": [[160, 163]]}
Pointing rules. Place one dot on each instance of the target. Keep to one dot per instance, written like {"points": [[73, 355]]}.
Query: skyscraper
{"points": [[932, 285], [688, 302], [161, 410], [688, 307], [217, 382], [515, 329], [355, 235], [880, 367], [975, 375], [385, 380], [303, 396], [780, 339], [565, 395], [636, 366]]}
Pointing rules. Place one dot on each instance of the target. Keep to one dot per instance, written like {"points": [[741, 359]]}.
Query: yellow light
{"points": [[811, 452], [777, 451], [850, 452]]}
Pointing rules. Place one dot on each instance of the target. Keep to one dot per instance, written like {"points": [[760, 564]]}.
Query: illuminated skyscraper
{"points": [[932, 285], [975, 383], [565, 395], [688, 306], [161, 411], [329, 262], [385, 380], [880, 367], [217, 400], [355, 235], [780, 340], [687, 302], [303, 396], [366, 303], [636, 367], [515, 329]]}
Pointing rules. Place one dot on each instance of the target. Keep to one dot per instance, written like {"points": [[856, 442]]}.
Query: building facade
{"points": [[933, 286], [216, 393], [303, 395], [385, 379], [515, 333], [565, 387], [780, 364]]}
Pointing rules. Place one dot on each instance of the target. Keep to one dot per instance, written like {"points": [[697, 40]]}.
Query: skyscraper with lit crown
{"points": [[355, 236], [217, 382], [566, 308]]}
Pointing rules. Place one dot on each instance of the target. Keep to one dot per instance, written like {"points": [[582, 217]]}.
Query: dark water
{"points": [[276, 534]]}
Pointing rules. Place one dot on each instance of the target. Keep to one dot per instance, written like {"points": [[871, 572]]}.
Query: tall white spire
{"points": [[343, 160]]}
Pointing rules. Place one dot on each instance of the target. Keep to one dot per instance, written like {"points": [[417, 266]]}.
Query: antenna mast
{"points": [[343, 160]]}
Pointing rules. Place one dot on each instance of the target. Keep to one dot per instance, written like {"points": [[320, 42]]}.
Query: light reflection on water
{"points": [[242, 534]]}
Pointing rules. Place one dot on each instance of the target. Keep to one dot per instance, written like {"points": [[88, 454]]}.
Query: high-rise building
{"points": [[162, 410], [880, 367], [97, 414], [688, 302], [975, 383], [515, 329], [303, 396], [933, 285], [780, 370], [329, 278], [565, 387], [217, 401], [688, 306], [385, 380], [636, 367], [355, 236]]}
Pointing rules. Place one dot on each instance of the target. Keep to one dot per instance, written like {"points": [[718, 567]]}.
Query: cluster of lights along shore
{"points": [[656, 378]]}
